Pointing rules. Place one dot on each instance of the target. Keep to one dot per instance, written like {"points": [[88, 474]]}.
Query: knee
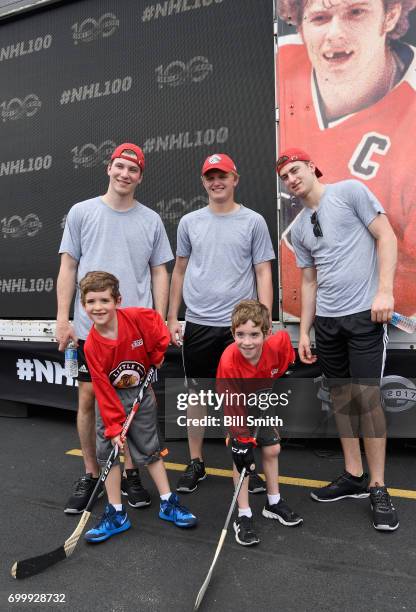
{"points": [[86, 398], [270, 452]]}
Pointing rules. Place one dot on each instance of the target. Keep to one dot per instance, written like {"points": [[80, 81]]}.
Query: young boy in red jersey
{"points": [[120, 347], [256, 355]]}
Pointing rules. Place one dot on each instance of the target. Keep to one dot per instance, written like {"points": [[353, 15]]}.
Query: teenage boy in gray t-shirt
{"points": [[223, 256], [347, 250], [112, 233]]}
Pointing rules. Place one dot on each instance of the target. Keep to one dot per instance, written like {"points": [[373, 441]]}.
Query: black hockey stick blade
{"points": [[35, 565]]}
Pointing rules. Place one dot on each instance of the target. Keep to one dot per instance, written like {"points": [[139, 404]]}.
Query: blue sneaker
{"points": [[111, 522], [171, 510]]}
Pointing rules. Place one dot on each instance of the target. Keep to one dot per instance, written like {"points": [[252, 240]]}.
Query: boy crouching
{"points": [[255, 354]]}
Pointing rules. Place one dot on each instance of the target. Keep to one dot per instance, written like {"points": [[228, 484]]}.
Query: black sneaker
{"points": [[256, 483], [345, 485], [80, 497], [384, 513], [244, 531], [131, 485], [282, 513], [195, 471]]}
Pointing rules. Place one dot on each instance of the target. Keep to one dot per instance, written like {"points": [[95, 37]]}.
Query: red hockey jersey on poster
{"points": [[142, 341], [277, 354], [374, 145]]}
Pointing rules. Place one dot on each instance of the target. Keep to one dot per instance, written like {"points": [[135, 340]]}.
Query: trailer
{"points": [[184, 78]]}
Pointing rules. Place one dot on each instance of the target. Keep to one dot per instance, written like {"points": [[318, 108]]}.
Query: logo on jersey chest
{"points": [[363, 162], [137, 343], [127, 374]]}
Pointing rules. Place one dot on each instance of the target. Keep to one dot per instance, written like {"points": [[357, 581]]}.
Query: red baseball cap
{"points": [[125, 151], [292, 155], [219, 161]]}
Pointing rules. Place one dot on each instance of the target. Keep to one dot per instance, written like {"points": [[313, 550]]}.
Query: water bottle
{"points": [[71, 360], [404, 323]]}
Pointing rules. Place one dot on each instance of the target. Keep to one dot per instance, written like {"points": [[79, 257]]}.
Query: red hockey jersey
{"points": [[142, 341], [277, 354]]}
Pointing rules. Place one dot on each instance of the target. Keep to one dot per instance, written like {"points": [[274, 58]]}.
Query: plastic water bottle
{"points": [[404, 323], [71, 360]]}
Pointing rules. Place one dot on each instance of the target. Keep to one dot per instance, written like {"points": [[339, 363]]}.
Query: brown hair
{"points": [[99, 281], [291, 11], [251, 310]]}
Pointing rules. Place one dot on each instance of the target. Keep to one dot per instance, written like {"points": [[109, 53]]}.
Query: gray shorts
{"points": [[144, 439]]}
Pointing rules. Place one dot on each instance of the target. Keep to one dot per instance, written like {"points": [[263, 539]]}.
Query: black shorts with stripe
{"points": [[352, 346]]}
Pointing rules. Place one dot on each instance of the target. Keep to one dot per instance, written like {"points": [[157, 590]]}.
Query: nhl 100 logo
{"points": [[90, 155], [16, 108], [19, 227], [178, 72], [91, 29]]}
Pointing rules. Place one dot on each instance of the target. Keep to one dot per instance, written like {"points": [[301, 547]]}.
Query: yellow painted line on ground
{"points": [[297, 482]]}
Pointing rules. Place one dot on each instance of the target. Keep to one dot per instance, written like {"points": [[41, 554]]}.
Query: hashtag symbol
{"points": [[24, 369], [148, 13], [65, 97], [149, 145]]}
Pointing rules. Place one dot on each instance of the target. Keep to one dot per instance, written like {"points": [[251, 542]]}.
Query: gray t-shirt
{"points": [[127, 244], [346, 255], [222, 250]]}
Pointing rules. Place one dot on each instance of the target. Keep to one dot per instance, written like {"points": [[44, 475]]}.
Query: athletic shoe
{"points": [[282, 513], [111, 523], [384, 513], [80, 497], [345, 485], [256, 483], [244, 531], [131, 486], [171, 510], [195, 471]]}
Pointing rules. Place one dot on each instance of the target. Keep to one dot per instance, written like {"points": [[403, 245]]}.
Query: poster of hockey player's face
{"points": [[346, 74]]}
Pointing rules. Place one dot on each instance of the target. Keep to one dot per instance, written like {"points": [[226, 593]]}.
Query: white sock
{"points": [[273, 499], [118, 507], [166, 496], [245, 512]]}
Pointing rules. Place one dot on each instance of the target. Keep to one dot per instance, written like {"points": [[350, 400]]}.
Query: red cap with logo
{"points": [[291, 155], [131, 152], [219, 161]]}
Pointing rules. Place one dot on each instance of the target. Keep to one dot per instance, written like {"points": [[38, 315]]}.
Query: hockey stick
{"points": [[35, 565], [207, 580], [221, 541]]}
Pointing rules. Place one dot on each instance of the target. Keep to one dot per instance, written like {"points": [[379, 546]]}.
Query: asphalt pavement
{"points": [[335, 560]]}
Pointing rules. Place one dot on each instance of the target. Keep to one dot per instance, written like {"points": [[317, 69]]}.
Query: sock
{"points": [[118, 507], [166, 496], [359, 478], [273, 499], [245, 512]]}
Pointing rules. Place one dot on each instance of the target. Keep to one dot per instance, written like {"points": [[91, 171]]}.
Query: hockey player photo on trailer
{"points": [[346, 78]]}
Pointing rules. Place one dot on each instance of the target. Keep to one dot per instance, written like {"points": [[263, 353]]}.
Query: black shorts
{"points": [[202, 348], [352, 346], [268, 436], [83, 371]]}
